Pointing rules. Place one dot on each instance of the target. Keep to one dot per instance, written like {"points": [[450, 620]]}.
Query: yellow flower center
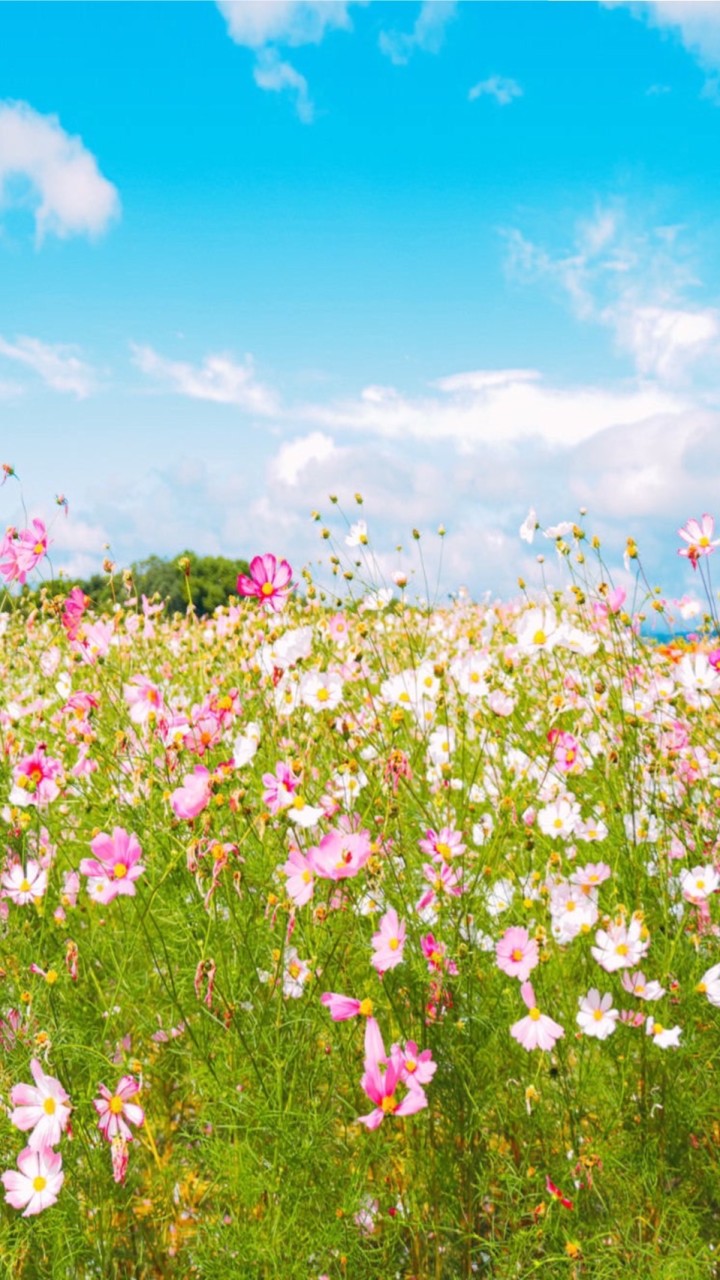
{"points": [[539, 637], [39, 549], [116, 1104], [306, 876], [322, 695], [119, 870], [298, 803], [366, 1008], [535, 1014], [444, 850], [393, 944], [516, 955], [621, 949], [658, 1028], [598, 1015], [266, 589], [389, 1105], [24, 886], [701, 988], [410, 1065], [39, 1184], [49, 1106]]}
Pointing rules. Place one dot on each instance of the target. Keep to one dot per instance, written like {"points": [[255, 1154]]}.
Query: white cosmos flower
{"points": [[597, 1017]]}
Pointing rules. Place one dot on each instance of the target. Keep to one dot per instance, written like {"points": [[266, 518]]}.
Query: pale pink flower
{"points": [[517, 953], [637, 985], [590, 876], [269, 581], [23, 885], [193, 796], [20, 553], [699, 539], [280, 788], [41, 1107], [115, 1109], [340, 854], [597, 1017], [709, 985], [388, 942], [537, 1030], [37, 1185], [441, 879], [620, 946], [144, 699], [300, 880], [296, 974], [116, 866], [698, 885]]}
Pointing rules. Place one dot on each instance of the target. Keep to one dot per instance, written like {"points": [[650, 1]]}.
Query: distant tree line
{"points": [[206, 580]]}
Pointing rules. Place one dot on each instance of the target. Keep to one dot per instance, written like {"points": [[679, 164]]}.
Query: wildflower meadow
{"points": [[349, 935]]}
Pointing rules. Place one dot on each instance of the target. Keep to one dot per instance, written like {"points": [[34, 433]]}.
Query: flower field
{"points": [[349, 937]]}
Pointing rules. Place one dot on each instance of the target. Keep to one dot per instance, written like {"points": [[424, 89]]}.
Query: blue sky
{"points": [[461, 257]]}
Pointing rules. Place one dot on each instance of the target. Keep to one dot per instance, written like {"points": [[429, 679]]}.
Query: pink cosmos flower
{"points": [[20, 553], [699, 539], [537, 1030], [144, 699], [340, 854], [280, 788], [638, 985], [35, 779], [300, 882], [620, 946], [116, 866], [193, 796], [42, 1108], [269, 581], [23, 885], [38, 1183], [441, 879], [442, 845], [344, 1007], [517, 953], [114, 1109], [566, 751], [381, 1079], [417, 1065], [388, 942], [436, 955], [73, 610]]}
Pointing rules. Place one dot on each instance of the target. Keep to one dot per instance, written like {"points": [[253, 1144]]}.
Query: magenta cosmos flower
{"points": [[699, 538], [381, 1079], [517, 953], [114, 1109], [42, 1107], [20, 553], [343, 1007], [36, 779], [38, 1183], [269, 581], [116, 866], [537, 1030]]}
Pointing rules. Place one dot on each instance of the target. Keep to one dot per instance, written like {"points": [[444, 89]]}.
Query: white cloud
{"points": [[263, 24], [293, 22], [696, 22], [501, 88], [428, 32], [278, 76], [57, 364], [68, 194], [635, 284], [296, 455], [495, 408], [219, 379]]}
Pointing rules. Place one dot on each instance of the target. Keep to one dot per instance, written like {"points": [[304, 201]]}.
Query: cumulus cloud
{"points": [[501, 88], [633, 282], [219, 378], [51, 172], [57, 364], [494, 407], [428, 33], [296, 456], [262, 25]]}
